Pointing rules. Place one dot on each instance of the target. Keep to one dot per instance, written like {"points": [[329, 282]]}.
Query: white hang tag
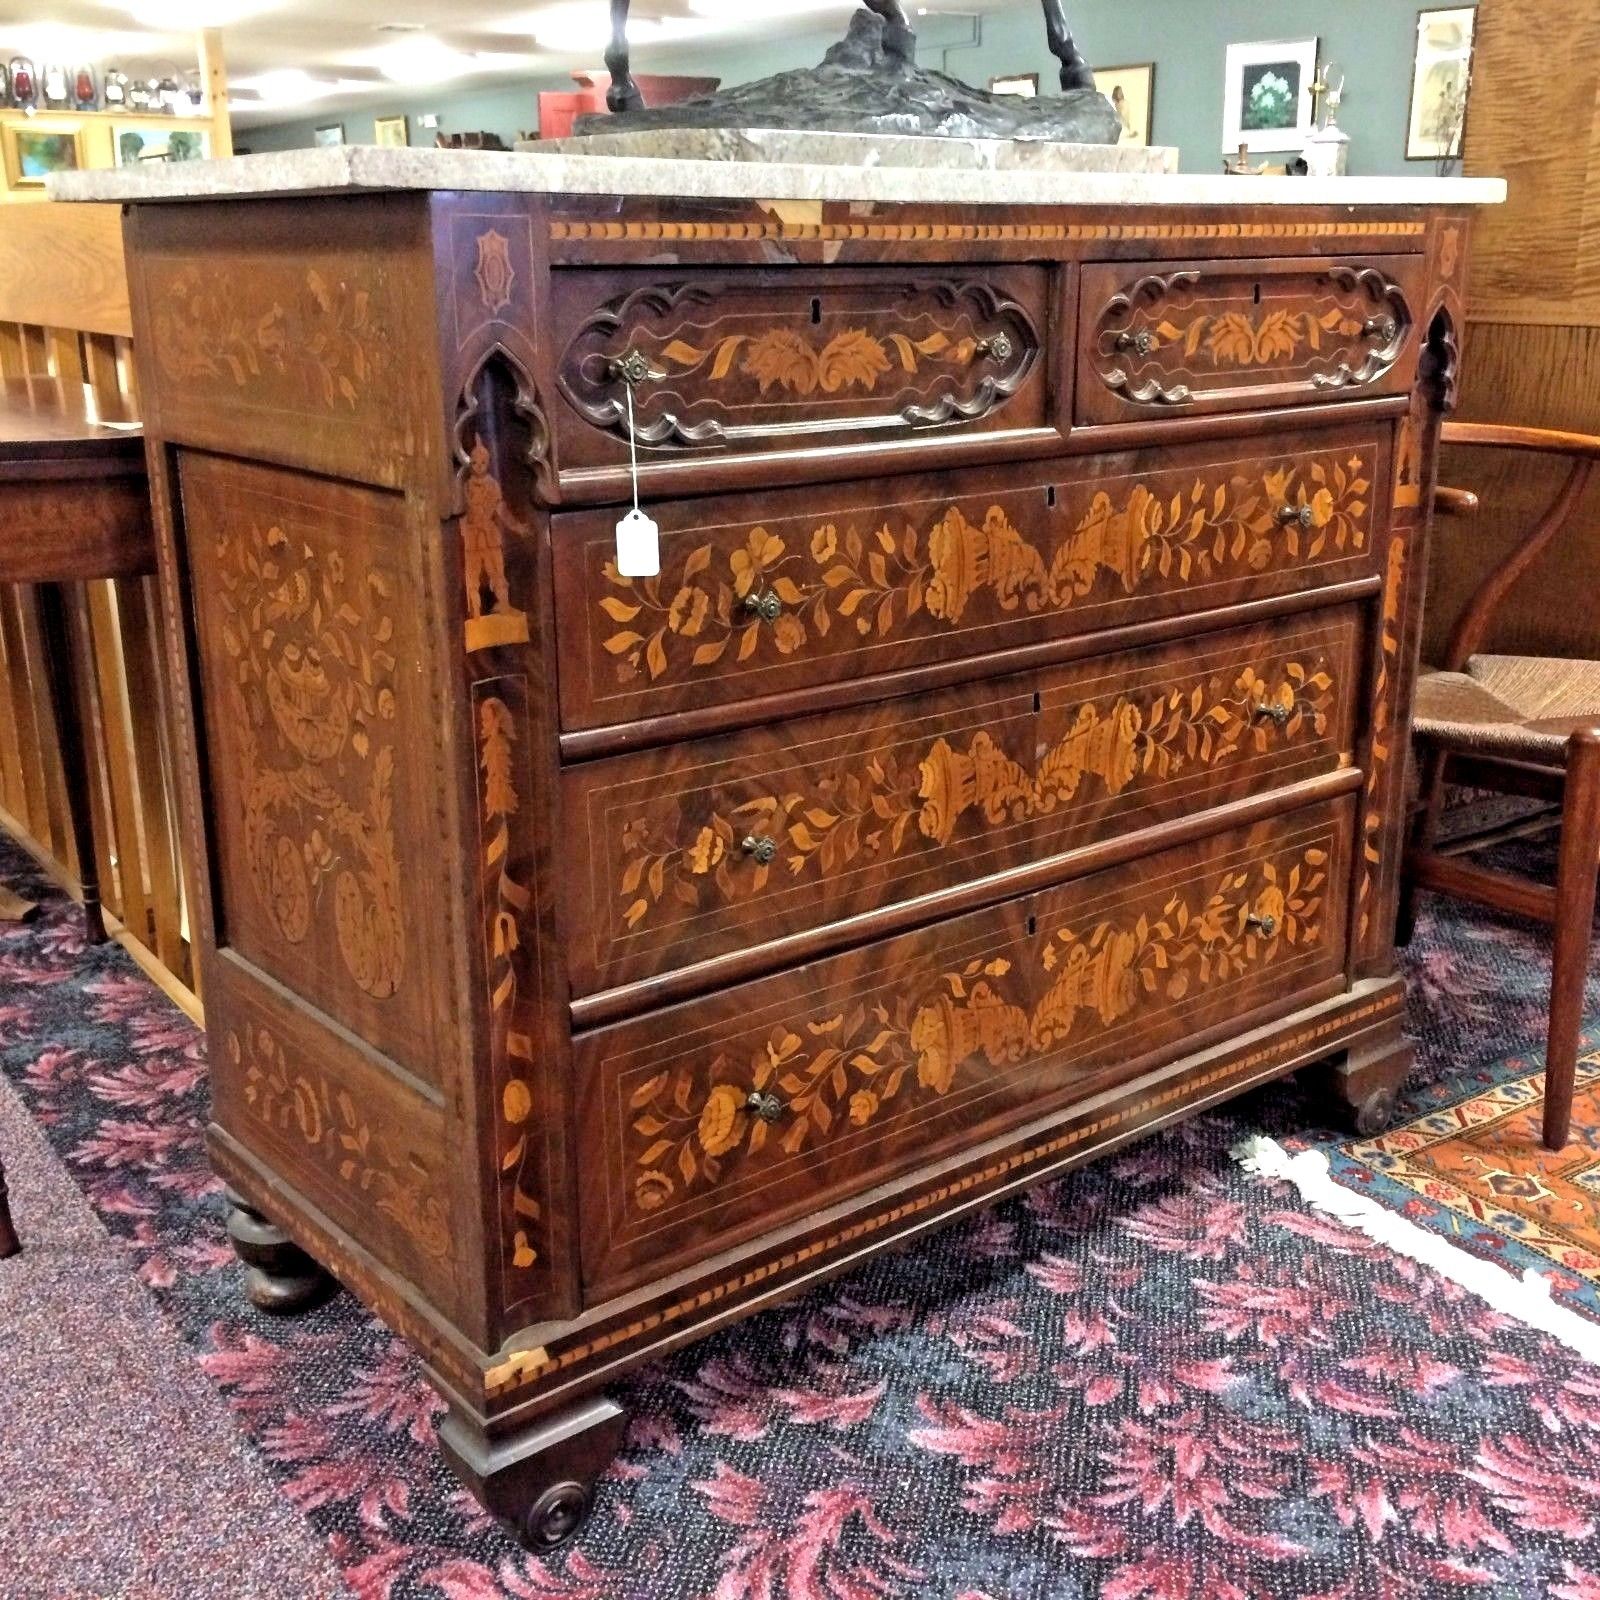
{"points": [[638, 537], [638, 546]]}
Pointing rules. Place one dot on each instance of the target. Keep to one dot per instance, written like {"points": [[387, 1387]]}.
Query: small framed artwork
{"points": [[1441, 74], [332, 134], [1132, 93], [137, 145], [1266, 97], [1023, 84], [390, 131], [32, 154]]}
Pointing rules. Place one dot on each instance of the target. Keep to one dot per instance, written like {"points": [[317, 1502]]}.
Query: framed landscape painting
{"points": [[1266, 100], [32, 154], [391, 132], [1441, 74], [1132, 93]]}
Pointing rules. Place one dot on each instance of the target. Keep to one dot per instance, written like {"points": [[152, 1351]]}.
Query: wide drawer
{"points": [[739, 362], [690, 852], [720, 1119], [760, 594], [1161, 337]]}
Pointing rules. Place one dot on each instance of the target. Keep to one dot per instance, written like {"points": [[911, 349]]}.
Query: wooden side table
{"points": [[74, 506]]}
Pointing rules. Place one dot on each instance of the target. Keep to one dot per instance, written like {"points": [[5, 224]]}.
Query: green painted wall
{"points": [[1371, 40]]}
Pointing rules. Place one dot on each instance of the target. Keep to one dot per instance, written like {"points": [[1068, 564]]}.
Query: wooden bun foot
{"points": [[1366, 1083], [281, 1277], [539, 1480]]}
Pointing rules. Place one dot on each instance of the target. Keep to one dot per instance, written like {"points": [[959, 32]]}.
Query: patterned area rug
{"points": [[1157, 1379]]}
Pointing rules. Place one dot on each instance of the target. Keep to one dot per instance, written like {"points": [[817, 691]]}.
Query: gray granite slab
{"points": [[366, 167], [863, 150]]}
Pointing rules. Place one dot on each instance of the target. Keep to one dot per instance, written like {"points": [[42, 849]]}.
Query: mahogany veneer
{"points": [[1006, 761]]}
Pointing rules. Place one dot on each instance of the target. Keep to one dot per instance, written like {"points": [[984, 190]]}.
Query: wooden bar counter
{"points": [[1006, 761]]}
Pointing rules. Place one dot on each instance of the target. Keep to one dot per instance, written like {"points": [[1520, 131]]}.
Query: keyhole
{"points": [[1258, 294], [816, 312], [1037, 704], [1050, 495], [1033, 926]]}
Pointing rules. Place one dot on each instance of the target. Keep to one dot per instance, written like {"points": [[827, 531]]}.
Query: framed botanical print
{"points": [[1441, 74], [330, 135], [1132, 93], [32, 154], [390, 131], [1266, 97]]}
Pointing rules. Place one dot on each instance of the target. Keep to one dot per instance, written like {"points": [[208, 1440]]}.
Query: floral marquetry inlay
{"points": [[823, 821], [823, 1077], [329, 1123], [316, 334], [898, 578], [308, 642]]}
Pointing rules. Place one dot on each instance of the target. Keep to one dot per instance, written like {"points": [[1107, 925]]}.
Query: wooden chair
{"points": [[1522, 725]]}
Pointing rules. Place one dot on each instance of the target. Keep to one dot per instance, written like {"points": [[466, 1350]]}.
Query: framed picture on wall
{"points": [[390, 131], [136, 144], [332, 134], [1266, 96], [32, 154], [1441, 74], [1132, 91], [1023, 84]]}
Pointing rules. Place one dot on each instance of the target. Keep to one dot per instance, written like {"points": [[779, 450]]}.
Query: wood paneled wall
{"points": [[1532, 346], [64, 311]]}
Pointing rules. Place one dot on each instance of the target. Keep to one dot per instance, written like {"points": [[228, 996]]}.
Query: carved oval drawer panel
{"points": [[1228, 336], [710, 847], [723, 1118], [760, 594], [757, 361]]}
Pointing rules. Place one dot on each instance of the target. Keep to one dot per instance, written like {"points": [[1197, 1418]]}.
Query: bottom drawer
{"points": [[724, 1117]]}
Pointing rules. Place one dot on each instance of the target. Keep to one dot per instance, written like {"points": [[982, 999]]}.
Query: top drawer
{"points": [[1203, 336], [749, 362]]}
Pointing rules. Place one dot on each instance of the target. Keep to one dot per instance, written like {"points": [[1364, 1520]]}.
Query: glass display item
{"points": [[57, 94], [24, 85], [115, 92], [84, 95]]}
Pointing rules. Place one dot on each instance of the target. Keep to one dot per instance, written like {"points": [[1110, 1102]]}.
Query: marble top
{"points": [[367, 167]]}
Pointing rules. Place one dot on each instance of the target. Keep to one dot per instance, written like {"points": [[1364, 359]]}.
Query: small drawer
{"points": [[721, 1119], [1161, 338], [732, 363], [694, 851], [763, 594]]}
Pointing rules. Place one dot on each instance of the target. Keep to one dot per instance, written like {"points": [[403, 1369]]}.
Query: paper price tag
{"points": [[638, 546]]}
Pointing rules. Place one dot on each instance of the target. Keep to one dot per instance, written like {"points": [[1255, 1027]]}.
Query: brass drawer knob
{"points": [[1141, 343], [1303, 515], [766, 606], [761, 850], [1383, 329], [1273, 711], [997, 345], [768, 1107], [1267, 927], [632, 368]]}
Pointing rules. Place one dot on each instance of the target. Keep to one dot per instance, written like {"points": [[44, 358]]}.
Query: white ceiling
{"points": [[357, 52]]}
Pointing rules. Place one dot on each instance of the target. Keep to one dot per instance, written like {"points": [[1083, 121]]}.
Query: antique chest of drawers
{"points": [[1006, 760]]}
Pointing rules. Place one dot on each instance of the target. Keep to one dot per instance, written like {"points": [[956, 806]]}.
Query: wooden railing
{"points": [[64, 311]]}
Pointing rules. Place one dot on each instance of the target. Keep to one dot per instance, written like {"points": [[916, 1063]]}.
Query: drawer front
{"points": [[717, 845], [1238, 335], [762, 594], [887, 1057], [739, 362]]}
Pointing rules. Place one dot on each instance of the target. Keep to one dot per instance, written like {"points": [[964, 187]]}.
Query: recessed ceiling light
{"points": [[418, 59], [286, 86]]}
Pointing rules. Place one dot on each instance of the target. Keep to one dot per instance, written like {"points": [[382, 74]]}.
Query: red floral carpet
{"points": [[1157, 1379]]}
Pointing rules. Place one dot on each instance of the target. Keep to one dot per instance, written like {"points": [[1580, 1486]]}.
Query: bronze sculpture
{"points": [[870, 83]]}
